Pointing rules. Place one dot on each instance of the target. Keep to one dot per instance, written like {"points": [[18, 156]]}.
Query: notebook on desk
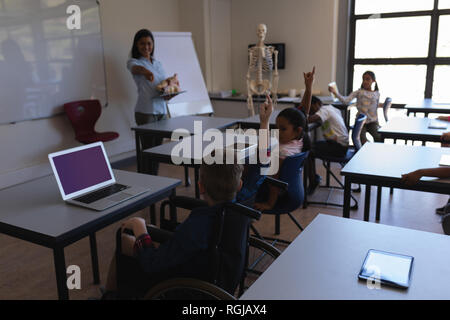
{"points": [[85, 178], [437, 124]]}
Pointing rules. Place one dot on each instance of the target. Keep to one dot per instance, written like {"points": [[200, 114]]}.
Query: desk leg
{"points": [[187, 181], [379, 189], [197, 191], [138, 152], [172, 208], [153, 214], [94, 258], [367, 202], [61, 276], [347, 190]]}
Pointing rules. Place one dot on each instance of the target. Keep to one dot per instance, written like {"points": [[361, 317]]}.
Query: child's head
{"points": [[220, 182], [316, 104], [368, 79], [290, 123], [143, 44]]}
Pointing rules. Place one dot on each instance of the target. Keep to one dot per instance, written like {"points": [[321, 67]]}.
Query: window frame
{"points": [[431, 61]]}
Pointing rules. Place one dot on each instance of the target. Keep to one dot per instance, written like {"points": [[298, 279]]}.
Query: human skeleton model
{"points": [[261, 64]]}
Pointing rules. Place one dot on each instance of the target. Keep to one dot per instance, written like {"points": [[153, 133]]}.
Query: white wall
{"points": [[24, 146], [209, 21], [307, 27]]}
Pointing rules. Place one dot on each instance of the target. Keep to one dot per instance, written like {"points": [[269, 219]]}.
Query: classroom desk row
{"points": [[409, 128]]}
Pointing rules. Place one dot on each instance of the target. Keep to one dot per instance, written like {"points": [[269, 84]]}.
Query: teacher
{"points": [[147, 73]]}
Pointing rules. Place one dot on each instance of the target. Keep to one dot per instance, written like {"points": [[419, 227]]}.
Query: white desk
{"points": [[323, 262]]}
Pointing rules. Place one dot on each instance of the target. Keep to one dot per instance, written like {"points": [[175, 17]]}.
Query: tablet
{"points": [[391, 269]]}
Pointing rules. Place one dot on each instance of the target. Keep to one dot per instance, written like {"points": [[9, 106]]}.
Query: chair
{"points": [[327, 160], [291, 198], [227, 257], [83, 115]]}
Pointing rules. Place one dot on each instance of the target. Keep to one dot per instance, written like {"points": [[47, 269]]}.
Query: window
{"points": [[406, 43]]}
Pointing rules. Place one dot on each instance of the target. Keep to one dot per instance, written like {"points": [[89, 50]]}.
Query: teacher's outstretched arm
{"points": [[143, 71]]}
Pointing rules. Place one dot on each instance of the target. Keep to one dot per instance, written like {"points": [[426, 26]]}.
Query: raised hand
{"points": [[265, 110], [309, 77]]}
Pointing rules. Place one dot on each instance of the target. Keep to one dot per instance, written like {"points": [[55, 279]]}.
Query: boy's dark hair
{"points": [[372, 75], [143, 33], [315, 100], [298, 120], [221, 181]]}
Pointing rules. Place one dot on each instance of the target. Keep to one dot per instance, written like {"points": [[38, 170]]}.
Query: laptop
{"points": [[85, 178]]}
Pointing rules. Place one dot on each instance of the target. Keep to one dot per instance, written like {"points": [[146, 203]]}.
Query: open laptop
{"points": [[85, 178]]}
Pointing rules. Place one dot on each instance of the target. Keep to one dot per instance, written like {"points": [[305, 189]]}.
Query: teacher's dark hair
{"points": [[143, 33]]}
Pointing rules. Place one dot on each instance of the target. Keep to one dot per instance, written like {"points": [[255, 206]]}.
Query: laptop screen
{"points": [[82, 169]]}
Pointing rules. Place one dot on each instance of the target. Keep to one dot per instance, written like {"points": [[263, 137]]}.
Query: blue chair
{"points": [[327, 160], [292, 195]]}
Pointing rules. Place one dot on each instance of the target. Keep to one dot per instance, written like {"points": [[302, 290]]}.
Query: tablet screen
{"points": [[390, 268]]}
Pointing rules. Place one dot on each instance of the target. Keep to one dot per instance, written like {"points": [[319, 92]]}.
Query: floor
{"points": [[27, 270]]}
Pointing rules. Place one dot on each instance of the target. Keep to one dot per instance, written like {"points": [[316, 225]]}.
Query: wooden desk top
{"points": [[323, 262]]}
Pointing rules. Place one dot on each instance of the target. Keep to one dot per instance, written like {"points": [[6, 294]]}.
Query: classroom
{"points": [[112, 113]]}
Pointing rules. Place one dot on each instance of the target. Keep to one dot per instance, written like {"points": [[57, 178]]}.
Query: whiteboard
{"points": [[44, 64], [176, 52]]}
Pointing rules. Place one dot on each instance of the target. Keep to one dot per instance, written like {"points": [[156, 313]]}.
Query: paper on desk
{"points": [[437, 124], [445, 160]]}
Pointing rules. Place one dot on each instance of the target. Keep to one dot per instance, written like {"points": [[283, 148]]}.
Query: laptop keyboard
{"points": [[100, 194]]}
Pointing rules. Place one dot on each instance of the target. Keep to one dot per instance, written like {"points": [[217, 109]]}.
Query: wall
{"points": [[24, 146], [209, 21], [309, 29]]}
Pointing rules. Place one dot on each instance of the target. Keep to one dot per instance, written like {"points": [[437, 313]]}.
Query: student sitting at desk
{"points": [[335, 133], [293, 135], [185, 253], [291, 123], [367, 102]]}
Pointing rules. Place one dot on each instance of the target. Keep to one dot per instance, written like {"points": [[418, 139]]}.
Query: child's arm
{"points": [[305, 105], [343, 99], [314, 118], [413, 178], [445, 118]]}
